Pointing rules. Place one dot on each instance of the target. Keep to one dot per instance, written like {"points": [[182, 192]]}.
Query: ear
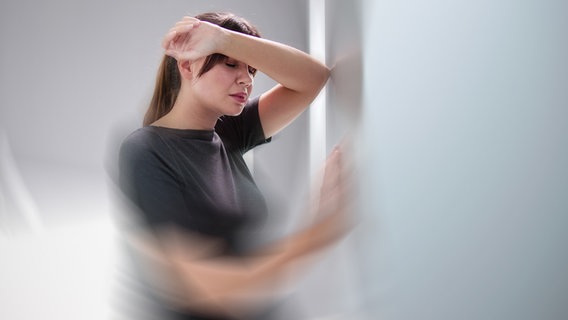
{"points": [[185, 68]]}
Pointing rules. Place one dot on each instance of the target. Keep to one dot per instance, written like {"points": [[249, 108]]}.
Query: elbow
{"points": [[323, 76], [319, 78]]}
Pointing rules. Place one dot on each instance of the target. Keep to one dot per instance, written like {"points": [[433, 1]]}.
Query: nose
{"points": [[245, 78]]}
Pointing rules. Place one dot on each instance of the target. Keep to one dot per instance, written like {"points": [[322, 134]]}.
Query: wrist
{"points": [[224, 39]]}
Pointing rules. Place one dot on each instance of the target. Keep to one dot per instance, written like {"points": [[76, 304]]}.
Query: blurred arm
{"points": [[192, 276]]}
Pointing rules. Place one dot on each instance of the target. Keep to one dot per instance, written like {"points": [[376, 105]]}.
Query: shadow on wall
{"points": [[344, 56]]}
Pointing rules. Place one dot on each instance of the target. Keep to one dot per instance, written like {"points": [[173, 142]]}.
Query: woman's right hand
{"points": [[334, 218], [191, 39]]}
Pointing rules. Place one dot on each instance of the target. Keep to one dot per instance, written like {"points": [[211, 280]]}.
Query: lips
{"points": [[240, 97]]}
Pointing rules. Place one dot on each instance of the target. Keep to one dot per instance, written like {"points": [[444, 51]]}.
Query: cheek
{"points": [[213, 81], [220, 74], [224, 77]]}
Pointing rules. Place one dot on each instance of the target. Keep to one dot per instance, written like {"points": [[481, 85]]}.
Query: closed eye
{"points": [[232, 64]]}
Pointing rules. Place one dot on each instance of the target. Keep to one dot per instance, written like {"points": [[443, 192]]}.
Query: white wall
{"points": [[464, 149]]}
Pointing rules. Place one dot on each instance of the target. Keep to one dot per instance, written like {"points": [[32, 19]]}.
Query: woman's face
{"points": [[226, 87]]}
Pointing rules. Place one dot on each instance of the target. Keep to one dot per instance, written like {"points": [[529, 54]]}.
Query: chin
{"points": [[236, 112]]}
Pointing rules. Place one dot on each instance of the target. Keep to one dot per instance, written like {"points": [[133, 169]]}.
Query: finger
{"points": [[185, 26], [175, 33], [171, 53], [331, 179], [169, 38], [183, 23], [188, 19], [334, 187], [333, 162]]}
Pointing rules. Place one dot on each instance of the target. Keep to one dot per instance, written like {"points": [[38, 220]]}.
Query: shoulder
{"points": [[145, 137], [242, 132], [141, 143], [244, 123]]}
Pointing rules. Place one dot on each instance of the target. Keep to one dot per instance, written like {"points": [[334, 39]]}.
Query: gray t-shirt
{"points": [[196, 180]]}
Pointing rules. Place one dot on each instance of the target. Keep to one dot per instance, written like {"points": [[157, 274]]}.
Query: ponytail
{"points": [[168, 83]]}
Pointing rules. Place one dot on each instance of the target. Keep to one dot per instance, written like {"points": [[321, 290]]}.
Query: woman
{"points": [[184, 173]]}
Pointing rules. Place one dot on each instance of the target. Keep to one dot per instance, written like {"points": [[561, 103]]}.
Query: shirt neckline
{"points": [[185, 133]]}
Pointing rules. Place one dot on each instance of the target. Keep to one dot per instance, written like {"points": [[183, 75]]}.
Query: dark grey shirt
{"points": [[196, 180]]}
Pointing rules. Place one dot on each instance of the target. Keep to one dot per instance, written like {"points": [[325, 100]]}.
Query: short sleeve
{"points": [[244, 131], [148, 182]]}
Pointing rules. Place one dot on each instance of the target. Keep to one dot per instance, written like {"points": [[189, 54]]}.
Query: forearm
{"points": [[230, 277], [288, 66], [188, 275], [233, 285]]}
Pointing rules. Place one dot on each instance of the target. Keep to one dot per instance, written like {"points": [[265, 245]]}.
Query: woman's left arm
{"points": [[300, 77]]}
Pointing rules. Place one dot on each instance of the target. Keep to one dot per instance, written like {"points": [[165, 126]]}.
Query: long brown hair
{"points": [[168, 79]]}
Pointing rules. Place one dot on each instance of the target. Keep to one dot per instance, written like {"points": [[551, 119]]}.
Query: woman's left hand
{"points": [[191, 39]]}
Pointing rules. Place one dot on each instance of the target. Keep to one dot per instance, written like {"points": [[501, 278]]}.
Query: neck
{"points": [[188, 113]]}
